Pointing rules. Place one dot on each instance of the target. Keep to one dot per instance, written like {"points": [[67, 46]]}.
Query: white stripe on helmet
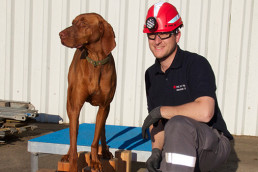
{"points": [[173, 20], [156, 8]]}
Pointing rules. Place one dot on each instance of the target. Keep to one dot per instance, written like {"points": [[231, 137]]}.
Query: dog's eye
{"points": [[83, 24]]}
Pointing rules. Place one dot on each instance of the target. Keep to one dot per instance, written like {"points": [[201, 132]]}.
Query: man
{"points": [[187, 130]]}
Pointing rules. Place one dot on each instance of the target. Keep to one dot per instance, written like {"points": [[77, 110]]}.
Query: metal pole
{"points": [[34, 162]]}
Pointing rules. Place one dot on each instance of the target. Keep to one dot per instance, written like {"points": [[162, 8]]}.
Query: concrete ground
{"points": [[15, 157]]}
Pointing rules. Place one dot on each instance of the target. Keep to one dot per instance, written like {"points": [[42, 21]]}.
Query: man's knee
{"points": [[179, 151], [180, 123]]}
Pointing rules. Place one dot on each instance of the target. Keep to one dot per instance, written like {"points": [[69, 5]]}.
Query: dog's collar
{"points": [[98, 63]]}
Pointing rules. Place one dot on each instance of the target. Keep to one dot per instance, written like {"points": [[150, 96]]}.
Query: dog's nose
{"points": [[62, 34]]}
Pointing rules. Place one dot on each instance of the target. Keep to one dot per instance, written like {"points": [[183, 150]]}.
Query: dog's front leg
{"points": [[73, 155], [75, 101], [100, 123], [106, 154]]}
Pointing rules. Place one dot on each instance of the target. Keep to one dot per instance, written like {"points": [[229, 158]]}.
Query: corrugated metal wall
{"points": [[34, 64]]}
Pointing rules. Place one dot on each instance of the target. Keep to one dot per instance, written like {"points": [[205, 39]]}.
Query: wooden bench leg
{"points": [[124, 160], [63, 166]]}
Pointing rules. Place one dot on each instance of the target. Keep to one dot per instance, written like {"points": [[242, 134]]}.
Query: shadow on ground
{"points": [[232, 164]]}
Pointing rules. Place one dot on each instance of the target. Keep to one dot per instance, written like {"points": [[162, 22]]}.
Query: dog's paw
{"points": [[65, 158], [95, 163], [96, 166]]}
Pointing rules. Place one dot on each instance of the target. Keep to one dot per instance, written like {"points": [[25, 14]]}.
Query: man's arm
{"points": [[202, 109], [157, 138], [157, 135]]}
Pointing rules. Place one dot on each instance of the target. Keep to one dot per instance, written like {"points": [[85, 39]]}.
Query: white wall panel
{"points": [[250, 110], [34, 65], [38, 53], [3, 45], [6, 32], [223, 51], [244, 59]]}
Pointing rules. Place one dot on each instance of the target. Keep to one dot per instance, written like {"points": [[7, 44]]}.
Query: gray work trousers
{"points": [[192, 146]]}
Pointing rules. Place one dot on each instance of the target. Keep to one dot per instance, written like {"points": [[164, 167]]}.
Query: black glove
{"points": [[153, 117], [153, 163]]}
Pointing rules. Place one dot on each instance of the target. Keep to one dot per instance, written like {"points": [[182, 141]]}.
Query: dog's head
{"points": [[87, 30]]}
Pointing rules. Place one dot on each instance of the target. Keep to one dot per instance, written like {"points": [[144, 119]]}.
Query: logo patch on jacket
{"points": [[181, 87]]}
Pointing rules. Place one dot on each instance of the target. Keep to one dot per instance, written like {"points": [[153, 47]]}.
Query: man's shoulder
{"points": [[191, 57], [151, 69]]}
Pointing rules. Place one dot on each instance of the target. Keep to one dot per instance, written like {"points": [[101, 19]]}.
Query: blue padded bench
{"points": [[118, 138]]}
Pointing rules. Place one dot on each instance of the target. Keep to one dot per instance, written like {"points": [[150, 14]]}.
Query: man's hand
{"points": [[153, 117], [153, 163]]}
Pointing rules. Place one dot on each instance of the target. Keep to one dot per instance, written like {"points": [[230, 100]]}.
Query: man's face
{"points": [[164, 48]]}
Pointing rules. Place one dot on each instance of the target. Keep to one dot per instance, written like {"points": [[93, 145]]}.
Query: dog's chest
{"points": [[99, 86], [96, 96]]}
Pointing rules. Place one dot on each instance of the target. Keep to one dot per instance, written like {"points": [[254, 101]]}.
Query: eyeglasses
{"points": [[161, 35]]}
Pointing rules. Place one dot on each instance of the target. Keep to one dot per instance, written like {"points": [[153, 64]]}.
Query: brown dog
{"points": [[91, 78]]}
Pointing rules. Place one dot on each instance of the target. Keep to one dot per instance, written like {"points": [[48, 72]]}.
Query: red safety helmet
{"points": [[162, 17]]}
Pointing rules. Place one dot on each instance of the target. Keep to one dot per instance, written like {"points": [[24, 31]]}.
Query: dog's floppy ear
{"points": [[108, 42]]}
